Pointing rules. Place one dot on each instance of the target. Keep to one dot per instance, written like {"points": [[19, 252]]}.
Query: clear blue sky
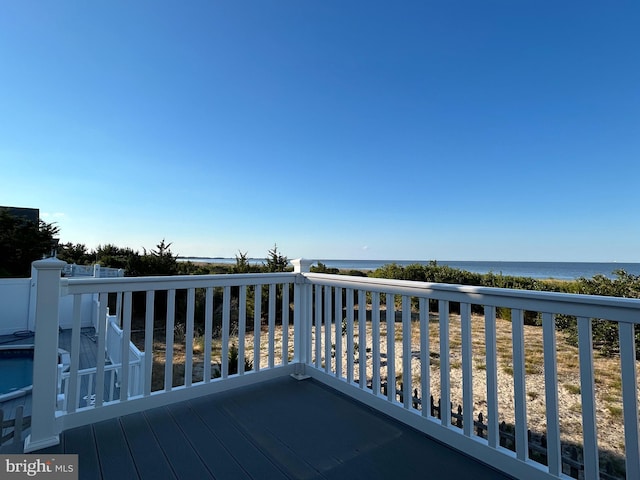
{"points": [[448, 130]]}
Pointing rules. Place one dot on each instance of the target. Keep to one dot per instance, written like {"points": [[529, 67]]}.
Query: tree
{"points": [[74, 253], [23, 241], [276, 262], [160, 261], [112, 256], [242, 263]]}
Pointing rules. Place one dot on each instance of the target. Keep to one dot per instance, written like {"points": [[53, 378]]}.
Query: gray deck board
{"points": [[325, 446], [210, 448], [150, 460], [184, 460], [114, 456], [252, 459], [83, 443], [281, 429]]}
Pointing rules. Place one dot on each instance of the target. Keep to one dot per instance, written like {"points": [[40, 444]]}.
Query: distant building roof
{"points": [[32, 214]]}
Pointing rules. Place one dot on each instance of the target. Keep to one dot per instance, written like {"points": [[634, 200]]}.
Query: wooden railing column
{"points": [[45, 357], [301, 318]]}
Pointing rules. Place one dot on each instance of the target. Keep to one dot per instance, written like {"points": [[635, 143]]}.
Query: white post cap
{"points": [[301, 265]]}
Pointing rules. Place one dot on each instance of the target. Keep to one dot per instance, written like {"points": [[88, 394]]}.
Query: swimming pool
{"points": [[16, 367]]}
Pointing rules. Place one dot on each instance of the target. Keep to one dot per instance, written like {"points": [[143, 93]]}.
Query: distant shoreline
{"points": [[538, 270]]}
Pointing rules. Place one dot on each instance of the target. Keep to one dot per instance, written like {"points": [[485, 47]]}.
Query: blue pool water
{"points": [[16, 367]]}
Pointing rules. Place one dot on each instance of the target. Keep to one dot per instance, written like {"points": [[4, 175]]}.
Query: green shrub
{"points": [[233, 360], [605, 333], [322, 268]]}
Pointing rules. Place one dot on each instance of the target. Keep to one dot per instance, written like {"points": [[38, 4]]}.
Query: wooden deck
{"points": [[280, 429]]}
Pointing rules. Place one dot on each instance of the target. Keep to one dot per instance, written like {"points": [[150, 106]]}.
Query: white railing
{"points": [[86, 386], [340, 304], [116, 343], [183, 300], [340, 337], [73, 270]]}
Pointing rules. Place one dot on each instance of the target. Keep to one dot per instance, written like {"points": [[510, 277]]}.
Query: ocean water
{"points": [[557, 270]]}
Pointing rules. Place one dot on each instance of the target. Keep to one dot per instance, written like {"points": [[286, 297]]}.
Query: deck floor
{"points": [[280, 429]]}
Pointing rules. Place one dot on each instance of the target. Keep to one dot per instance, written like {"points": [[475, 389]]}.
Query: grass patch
{"points": [[532, 369], [572, 389], [615, 412]]}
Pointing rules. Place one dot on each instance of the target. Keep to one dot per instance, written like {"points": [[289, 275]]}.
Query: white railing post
{"points": [[301, 318], [45, 356]]}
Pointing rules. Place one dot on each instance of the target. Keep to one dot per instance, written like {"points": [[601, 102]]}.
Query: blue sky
{"points": [[449, 130]]}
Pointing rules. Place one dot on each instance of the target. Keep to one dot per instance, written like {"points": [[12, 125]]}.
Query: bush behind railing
{"points": [[605, 333]]}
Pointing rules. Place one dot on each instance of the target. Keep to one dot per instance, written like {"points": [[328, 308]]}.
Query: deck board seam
{"points": [[243, 432], [222, 443], [97, 450], [276, 437], [286, 446], [126, 439], [109, 429], [159, 443], [188, 438]]}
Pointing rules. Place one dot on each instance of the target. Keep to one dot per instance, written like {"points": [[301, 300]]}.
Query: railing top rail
{"points": [[134, 284], [593, 306]]}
